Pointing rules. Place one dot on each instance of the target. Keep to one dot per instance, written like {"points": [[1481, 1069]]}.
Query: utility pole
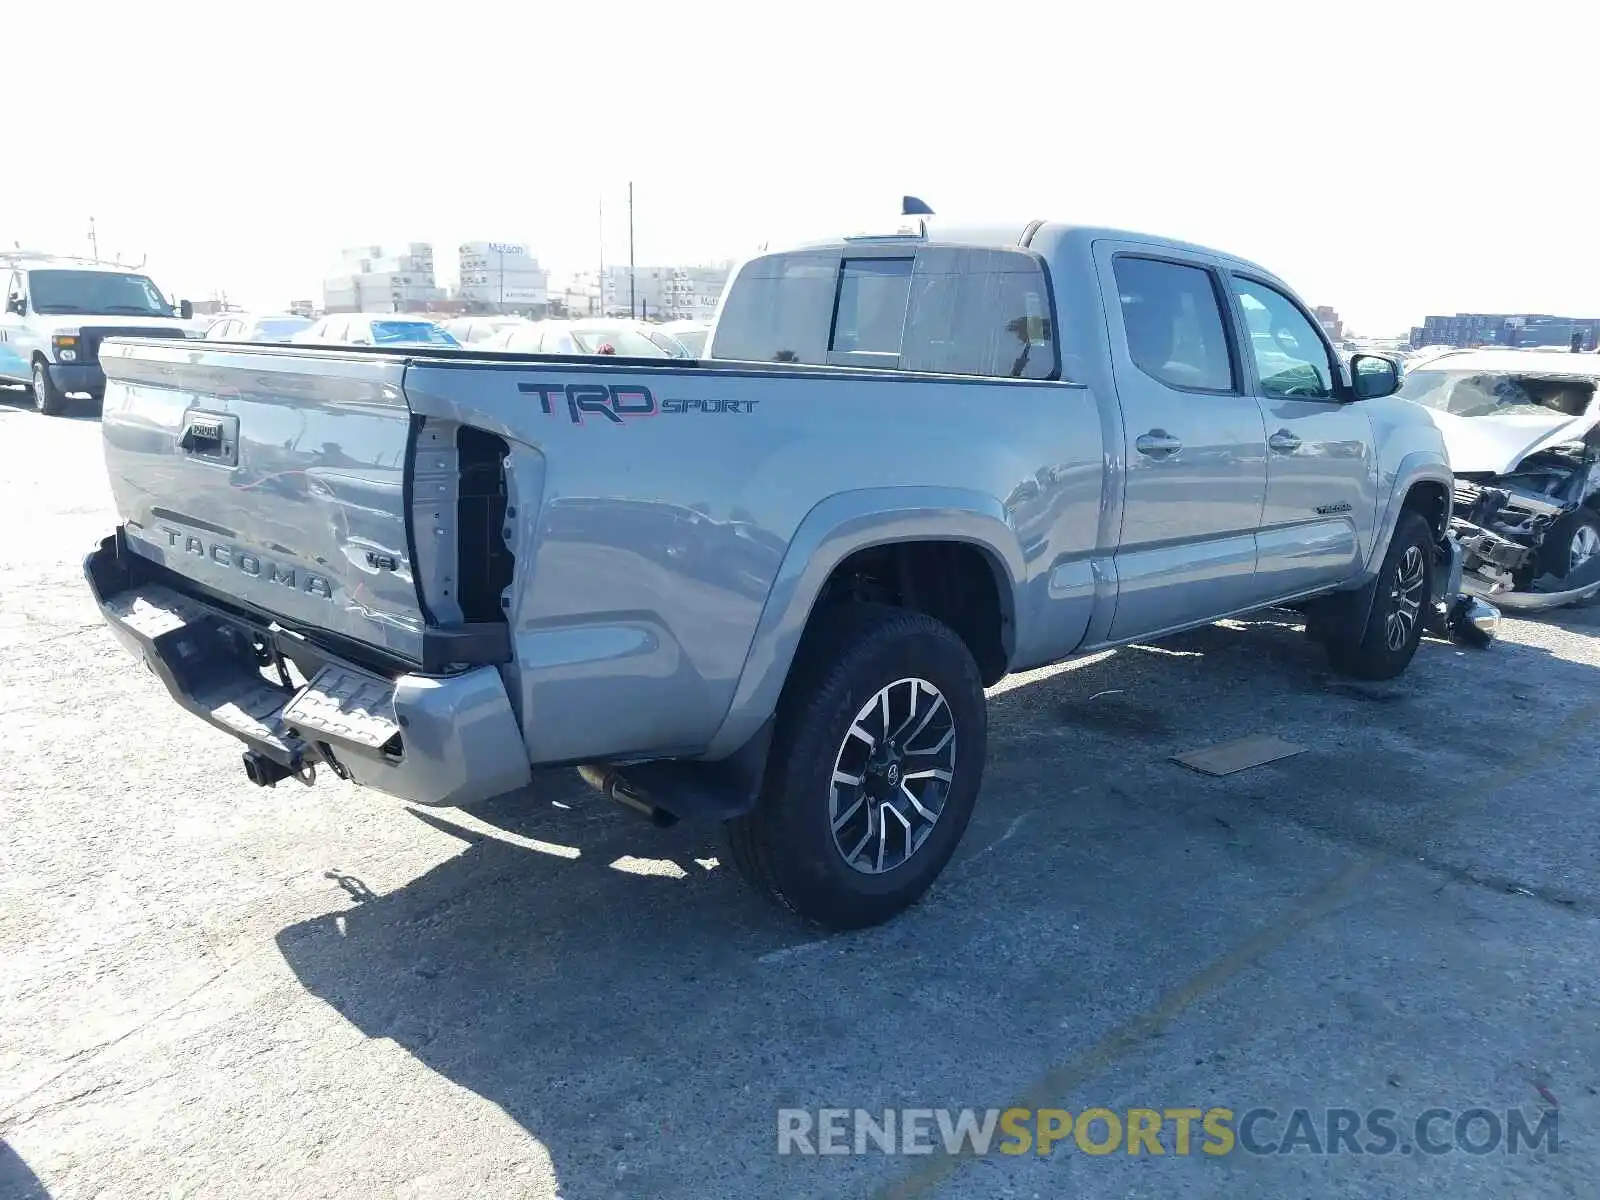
{"points": [[94, 242], [631, 310]]}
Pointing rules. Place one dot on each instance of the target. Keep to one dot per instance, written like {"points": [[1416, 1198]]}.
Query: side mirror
{"points": [[1372, 376], [17, 304], [185, 310]]}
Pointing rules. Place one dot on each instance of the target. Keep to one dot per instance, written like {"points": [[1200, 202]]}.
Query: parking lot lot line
{"points": [[1050, 1087]]}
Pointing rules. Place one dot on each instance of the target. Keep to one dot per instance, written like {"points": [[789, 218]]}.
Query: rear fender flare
{"points": [[832, 531]]}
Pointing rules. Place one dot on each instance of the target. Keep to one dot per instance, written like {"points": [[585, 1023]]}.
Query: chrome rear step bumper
{"points": [[430, 739]]}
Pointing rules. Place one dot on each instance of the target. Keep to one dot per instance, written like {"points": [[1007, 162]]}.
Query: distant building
{"points": [[1330, 322], [663, 293], [575, 296], [502, 277], [1506, 329], [694, 292], [302, 308], [373, 279]]}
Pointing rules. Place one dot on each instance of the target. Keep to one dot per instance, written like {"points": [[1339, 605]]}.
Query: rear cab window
{"points": [[870, 313], [935, 309]]}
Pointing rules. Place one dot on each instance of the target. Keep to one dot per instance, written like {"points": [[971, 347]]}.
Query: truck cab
{"points": [[58, 311]]}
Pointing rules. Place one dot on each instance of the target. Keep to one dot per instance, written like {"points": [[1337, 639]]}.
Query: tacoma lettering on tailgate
{"points": [[249, 563]]}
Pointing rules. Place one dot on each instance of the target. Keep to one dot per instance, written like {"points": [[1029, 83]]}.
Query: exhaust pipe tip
{"points": [[608, 781]]}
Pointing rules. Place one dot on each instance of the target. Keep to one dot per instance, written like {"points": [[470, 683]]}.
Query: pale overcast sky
{"points": [[1391, 159]]}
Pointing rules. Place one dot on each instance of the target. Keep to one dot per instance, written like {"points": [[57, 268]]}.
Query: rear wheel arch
{"points": [[843, 532], [958, 583]]}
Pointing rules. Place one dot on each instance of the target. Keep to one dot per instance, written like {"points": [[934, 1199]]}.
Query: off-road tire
{"points": [[1364, 652], [48, 399], [786, 845]]}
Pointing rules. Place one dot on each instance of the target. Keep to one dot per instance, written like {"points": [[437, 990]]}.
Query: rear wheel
{"points": [[874, 769], [47, 398], [1384, 646]]}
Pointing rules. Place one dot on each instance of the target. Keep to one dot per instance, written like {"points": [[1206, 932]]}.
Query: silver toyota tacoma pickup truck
{"points": [[767, 587]]}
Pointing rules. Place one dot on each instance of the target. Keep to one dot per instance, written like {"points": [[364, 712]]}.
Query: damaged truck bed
{"points": [[1523, 432]]}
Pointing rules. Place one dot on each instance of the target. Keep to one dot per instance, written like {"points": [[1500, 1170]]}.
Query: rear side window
{"points": [[1174, 324], [870, 317], [778, 309], [979, 312], [946, 309]]}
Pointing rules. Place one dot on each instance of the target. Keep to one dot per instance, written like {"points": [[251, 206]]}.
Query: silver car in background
{"points": [[258, 327], [625, 339], [468, 330], [691, 335]]}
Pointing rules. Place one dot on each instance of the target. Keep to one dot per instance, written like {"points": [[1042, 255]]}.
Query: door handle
{"points": [[1284, 442], [1158, 443]]}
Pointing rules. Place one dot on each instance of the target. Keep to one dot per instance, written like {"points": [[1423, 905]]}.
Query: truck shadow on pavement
{"points": [[17, 1181], [624, 998]]}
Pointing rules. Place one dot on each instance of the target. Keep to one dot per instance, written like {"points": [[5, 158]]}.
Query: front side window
{"points": [[1290, 356], [870, 317], [1174, 324]]}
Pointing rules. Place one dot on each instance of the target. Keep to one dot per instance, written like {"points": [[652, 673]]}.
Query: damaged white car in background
{"points": [[1521, 430]]}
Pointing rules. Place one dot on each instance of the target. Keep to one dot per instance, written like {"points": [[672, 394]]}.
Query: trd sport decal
{"points": [[620, 402]]}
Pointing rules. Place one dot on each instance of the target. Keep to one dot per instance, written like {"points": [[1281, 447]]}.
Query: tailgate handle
{"points": [[211, 436], [202, 436]]}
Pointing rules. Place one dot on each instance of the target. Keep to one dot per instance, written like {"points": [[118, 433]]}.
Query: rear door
{"points": [[278, 480], [1194, 445], [1321, 504]]}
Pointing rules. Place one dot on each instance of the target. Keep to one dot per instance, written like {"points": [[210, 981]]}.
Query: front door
{"points": [[13, 362], [1194, 446], [1321, 506]]}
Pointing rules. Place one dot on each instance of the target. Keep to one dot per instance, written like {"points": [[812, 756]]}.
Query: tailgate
{"points": [[274, 478]]}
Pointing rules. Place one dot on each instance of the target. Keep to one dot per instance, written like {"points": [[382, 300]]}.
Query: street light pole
{"points": [[632, 310]]}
